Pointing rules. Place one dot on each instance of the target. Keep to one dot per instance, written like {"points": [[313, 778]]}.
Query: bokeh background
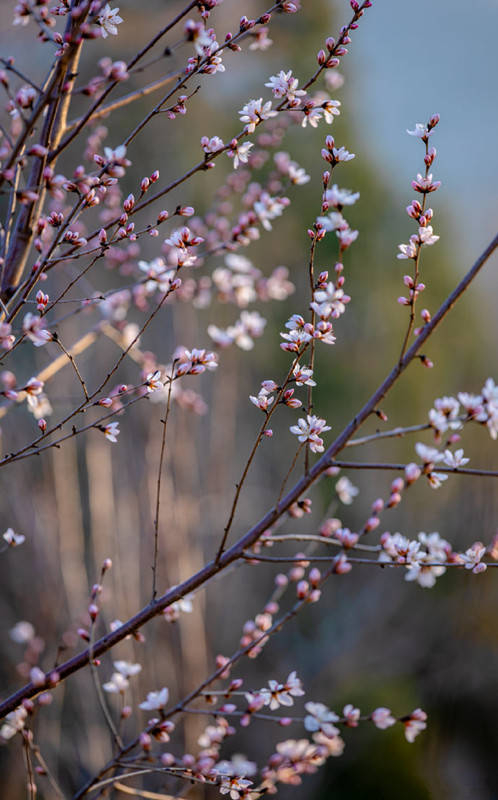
{"points": [[374, 639]]}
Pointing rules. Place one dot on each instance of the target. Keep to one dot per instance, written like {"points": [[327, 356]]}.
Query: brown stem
{"points": [[158, 485], [56, 101], [60, 146]]}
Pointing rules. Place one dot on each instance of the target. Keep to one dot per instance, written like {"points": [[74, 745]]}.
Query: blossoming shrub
{"points": [[86, 231]]}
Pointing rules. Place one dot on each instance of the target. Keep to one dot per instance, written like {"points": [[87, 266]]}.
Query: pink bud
{"points": [[129, 203], [296, 574], [38, 150], [45, 699], [315, 577], [412, 473], [54, 678], [394, 500], [37, 677], [342, 566]]}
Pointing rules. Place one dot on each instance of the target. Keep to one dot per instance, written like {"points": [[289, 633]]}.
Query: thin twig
{"points": [[238, 487], [158, 485], [289, 472], [485, 473], [98, 689], [69, 355]]}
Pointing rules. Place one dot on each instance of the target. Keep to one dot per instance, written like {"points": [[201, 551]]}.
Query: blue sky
{"points": [[415, 57]]}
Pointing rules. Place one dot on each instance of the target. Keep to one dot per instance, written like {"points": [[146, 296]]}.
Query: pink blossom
{"points": [[6, 337], [303, 376], [472, 557], [352, 715], [415, 724], [34, 328], [285, 85], [309, 430], [382, 718]]}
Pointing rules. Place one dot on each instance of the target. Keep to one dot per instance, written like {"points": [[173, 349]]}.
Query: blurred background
{"points": [[373, 640]]}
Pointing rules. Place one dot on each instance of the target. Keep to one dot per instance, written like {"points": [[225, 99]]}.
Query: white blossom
{"points": [[13, 539], [382, 718], [319, 718], [155, 700], [420, 130], [108, 20], [127, 669], [22, 632], [346, 491], [309, 430], [429, 455], [111, 431], [426, 235], [455, 459], [236, 787], [340, 197], [254, 112], [284, 85], [117, 684], [13, 723], [281, 694]]}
